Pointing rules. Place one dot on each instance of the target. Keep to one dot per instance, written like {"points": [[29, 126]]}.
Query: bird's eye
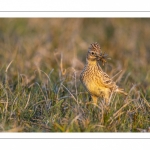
{"points": [[92, 53]]}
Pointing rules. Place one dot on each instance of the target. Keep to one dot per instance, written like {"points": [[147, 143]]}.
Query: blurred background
{"points": [[40, 64], [60, 43]]}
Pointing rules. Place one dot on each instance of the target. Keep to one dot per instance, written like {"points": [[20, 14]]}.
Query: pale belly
{"points": [[95, 87]]}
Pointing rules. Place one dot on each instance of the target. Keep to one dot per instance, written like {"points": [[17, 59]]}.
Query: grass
{"points": [[40, 64]]}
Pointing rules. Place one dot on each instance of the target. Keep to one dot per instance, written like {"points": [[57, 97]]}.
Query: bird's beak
{"points": [[102, 57], [99, 56]]}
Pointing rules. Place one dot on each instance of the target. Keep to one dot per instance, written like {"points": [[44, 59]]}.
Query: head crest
{"points": [[95, 46]]}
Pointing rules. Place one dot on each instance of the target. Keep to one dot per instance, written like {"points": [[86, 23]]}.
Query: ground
{"points": [[40, 64]]}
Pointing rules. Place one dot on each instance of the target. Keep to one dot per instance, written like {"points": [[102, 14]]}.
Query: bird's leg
{"points": [[107, 98], [94, 110], [90, 98], [94, 98]]}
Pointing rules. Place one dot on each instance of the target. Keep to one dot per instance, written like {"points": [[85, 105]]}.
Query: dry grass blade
{"points": [[6, 78], [118, 113], [71, 94], [8, 66], [122, 107], [117, 74], [145, 101], [16, 129], [27, 100], [75, 119]]}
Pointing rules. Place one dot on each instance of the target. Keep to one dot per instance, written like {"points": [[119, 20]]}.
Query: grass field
{"points": [[40, 64]]}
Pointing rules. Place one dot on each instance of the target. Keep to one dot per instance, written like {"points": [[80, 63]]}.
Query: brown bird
{"points": [[96, 82]]}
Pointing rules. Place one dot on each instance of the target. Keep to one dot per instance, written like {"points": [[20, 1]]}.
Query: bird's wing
{"points": [[107, 81]]}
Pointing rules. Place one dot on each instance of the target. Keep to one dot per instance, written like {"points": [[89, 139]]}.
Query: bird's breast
{"points": [[91, 79]]}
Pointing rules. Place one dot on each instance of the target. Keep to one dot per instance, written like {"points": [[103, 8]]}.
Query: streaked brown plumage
{"points": [[95, 81]]}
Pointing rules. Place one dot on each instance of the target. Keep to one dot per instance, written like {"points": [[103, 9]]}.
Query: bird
{"points": [[96, 82]]}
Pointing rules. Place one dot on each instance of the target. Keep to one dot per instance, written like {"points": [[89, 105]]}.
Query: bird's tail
{"points": [[121, 91]]}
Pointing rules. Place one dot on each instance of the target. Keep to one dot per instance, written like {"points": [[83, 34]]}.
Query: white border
{"points": [[75, 14], [74, 5], [74, 141], [90, 144], [99, 9], [56, 135]]}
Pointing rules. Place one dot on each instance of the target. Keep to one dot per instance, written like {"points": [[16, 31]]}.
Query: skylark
{"points": [[95, 80]]}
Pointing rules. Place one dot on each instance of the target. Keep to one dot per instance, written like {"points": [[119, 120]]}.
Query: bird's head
{"points": [[95, 53]]}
